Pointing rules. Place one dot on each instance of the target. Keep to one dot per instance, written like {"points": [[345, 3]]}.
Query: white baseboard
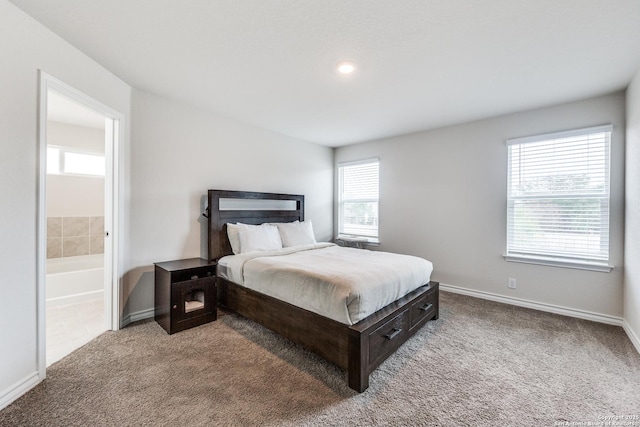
{"points": [[632, 336], [18, 389], [138, 315], [550, 308]]}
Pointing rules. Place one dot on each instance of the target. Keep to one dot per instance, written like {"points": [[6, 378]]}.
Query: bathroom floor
{"points": [[69, 327]]}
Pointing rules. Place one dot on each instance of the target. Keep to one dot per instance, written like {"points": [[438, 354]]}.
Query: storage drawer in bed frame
{"points": [[424, 308], [382, 341]]}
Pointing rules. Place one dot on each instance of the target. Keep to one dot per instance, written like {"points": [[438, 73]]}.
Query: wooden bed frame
{"points": [[359, 349]]}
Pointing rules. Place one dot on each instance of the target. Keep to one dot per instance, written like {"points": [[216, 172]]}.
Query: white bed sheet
{"points": [[343, 284]]}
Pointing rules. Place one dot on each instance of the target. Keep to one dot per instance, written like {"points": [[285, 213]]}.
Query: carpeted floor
{"points": [[481, 363]]}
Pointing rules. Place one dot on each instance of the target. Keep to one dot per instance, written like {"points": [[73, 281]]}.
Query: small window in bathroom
{"points": [[53, 160], [68, 161], [83, 164]]}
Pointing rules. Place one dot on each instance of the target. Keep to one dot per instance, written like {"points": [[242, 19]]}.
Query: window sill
{"points": [[560, 262]]}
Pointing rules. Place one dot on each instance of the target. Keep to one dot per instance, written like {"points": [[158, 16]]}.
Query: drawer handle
{"points": [[426, 307], [395, 333]]}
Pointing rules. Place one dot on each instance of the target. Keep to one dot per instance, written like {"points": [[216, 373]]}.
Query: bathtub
{"points": [[75, 279]]}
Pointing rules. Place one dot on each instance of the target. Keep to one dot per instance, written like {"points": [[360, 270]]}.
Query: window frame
{"points": [[530, 257], [351, 237]]}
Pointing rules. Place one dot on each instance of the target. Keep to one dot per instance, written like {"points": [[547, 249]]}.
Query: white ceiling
{"points": [[421, 63]]}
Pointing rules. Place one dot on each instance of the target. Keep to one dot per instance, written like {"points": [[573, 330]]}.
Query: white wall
{"points": [[632, 214], [75, 195], [443, 197], [75, 136], [180, 152], [25, 47]]}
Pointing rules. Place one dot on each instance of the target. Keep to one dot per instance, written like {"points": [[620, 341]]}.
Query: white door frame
{"points": [[114, 135]]}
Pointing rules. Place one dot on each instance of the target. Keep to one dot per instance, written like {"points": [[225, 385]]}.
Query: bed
{"points": [[358, 348]]}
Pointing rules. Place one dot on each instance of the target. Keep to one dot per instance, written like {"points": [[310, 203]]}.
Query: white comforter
{"points": [[343, 284]]}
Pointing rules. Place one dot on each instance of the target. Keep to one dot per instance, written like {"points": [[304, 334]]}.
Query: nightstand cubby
{"points": [[185, 293]]}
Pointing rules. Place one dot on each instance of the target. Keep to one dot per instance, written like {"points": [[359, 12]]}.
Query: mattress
{"points": [[343, 284]]}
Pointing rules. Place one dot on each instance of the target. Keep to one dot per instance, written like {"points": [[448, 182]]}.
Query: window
{"points": [[358, 200], [558, 199], [66, 161], [53, 160]]}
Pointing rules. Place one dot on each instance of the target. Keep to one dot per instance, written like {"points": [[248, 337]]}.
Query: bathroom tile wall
{"points": [[74, 236]]}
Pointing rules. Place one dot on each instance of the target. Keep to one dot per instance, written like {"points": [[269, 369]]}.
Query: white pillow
{"points": [[234, 237], [296, 233], [258, 238]]}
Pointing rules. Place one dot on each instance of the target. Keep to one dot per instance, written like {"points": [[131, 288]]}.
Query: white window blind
{"points": [[558, 196], [358, 184]]}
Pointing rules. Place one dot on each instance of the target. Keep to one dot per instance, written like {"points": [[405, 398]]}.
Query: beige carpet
{"points": [[482, 363]]}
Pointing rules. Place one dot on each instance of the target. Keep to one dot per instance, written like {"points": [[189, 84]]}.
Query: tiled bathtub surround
{"points": [[74, 236]]}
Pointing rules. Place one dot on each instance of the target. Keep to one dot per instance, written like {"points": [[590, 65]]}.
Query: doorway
{"points": [[77, 214]]}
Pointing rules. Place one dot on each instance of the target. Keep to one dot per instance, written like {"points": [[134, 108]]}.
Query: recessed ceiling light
{"points": [[346, 67]]}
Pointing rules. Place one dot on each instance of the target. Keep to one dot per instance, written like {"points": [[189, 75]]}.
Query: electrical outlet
{"points": [[512, 283]]}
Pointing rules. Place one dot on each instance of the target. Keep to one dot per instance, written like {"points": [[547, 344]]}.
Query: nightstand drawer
{"points": [[193, 274]]}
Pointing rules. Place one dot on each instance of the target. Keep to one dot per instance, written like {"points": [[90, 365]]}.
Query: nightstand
{"points": [[185, 293]]}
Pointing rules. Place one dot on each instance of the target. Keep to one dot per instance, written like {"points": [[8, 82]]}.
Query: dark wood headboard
{"points": [[218, 240]]}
